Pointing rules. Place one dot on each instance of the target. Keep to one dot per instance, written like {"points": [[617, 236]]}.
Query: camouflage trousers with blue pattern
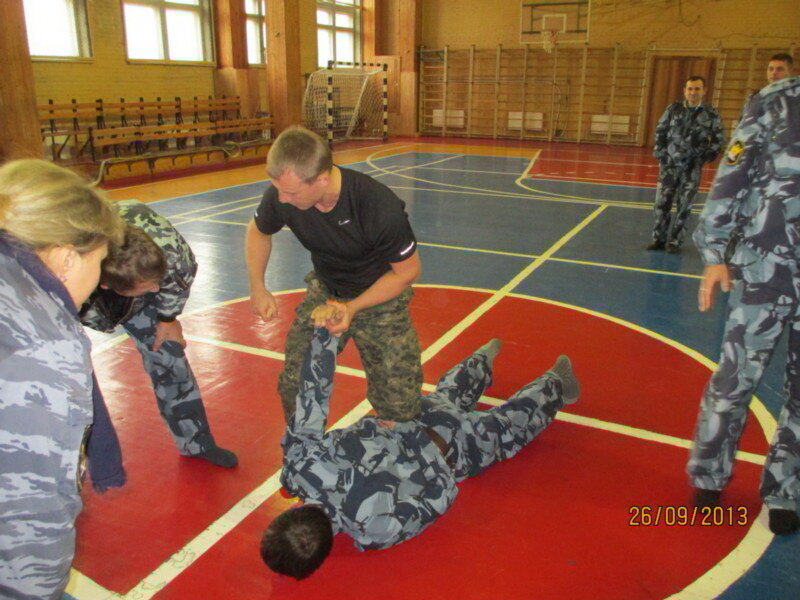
{"points": [[388, 345], [763, 303], [476, 440], [176, 389], [677, 184]]}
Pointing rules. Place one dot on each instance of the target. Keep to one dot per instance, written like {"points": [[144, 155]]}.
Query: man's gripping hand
{"points": [[263, 304], [330, 316]]}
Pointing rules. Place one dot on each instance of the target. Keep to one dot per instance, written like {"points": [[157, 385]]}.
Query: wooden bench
{"points": [[129, 113], [199, 110], [245, 129], [66, 126]]}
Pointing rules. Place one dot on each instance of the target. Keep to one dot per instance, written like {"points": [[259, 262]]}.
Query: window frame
{"points": [[261, 20], [355, 10], [80, 16], [203, 10]]}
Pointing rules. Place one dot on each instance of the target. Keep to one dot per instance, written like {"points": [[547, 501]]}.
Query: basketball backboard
{"points": [[543, 20]]}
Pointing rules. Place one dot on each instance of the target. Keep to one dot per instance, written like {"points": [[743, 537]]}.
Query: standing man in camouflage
{"points": [[365, 259], [688, 135], [144, 286], [757, 189], [385, 482]]}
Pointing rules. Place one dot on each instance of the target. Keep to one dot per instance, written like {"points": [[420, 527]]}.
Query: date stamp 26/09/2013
{"points": [[681, 516]]}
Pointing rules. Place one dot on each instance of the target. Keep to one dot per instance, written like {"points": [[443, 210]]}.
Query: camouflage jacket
{"points": [[378, 485], [756, 191], [45, 391], [105, 309], [687, 135]]}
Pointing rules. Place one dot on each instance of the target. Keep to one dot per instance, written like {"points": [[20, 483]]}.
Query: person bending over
{"points": [[144, 286], [383, 482]]}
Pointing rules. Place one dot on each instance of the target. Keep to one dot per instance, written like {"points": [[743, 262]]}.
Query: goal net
{"points": [[346, 103]]}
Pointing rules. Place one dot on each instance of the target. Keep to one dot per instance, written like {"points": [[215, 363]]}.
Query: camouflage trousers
{"points": [[677, 184], [388, 345], [176, 389], [476, 440], [760, 308]]}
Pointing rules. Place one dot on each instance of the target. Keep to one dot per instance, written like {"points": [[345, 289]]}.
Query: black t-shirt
{"points": [[352, 245]]}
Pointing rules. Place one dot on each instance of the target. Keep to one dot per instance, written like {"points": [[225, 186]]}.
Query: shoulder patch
{"points": [[734, 153]]}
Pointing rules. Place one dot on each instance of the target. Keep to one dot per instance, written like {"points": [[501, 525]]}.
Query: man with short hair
{"points": [[756, 192], [365, 259], [144, 286], [688, 135], [779, 67], [385, 482]]}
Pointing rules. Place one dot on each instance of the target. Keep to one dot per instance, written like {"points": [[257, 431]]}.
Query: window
{"points": [[255, 23], [169, 30], [338, 31], [57, 28]]}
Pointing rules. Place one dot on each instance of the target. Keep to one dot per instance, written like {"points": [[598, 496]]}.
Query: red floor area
{"points": [[607, 165], [547, 524]]}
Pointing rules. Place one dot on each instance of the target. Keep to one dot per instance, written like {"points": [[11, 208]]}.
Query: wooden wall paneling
{"points": [[641, 116], [581, 103], [470, 81], [496, 90], [446, 78], [20, 135], [284, 73]]}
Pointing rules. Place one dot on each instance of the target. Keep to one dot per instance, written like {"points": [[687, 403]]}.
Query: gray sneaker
{"points": [[570, 387]]}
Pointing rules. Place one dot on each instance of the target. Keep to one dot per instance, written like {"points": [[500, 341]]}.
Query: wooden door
{"points": [[668, 78]]}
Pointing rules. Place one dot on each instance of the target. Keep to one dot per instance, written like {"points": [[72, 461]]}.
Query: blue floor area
{"points": [[478, 228]]}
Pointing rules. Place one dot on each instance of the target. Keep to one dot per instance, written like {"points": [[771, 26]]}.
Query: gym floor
{"points": [[540, 245]]}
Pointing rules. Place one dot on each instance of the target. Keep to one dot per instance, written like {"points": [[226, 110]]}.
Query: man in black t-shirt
{"points": [[365, 259]]}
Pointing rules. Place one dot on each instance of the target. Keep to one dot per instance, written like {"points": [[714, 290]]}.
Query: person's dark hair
{"points": [[297, 541], [696, 78], [783, 56], [300, 150], [138, 259]]}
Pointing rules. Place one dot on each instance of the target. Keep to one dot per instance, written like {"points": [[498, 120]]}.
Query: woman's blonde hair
{"points": [[43, 205]]}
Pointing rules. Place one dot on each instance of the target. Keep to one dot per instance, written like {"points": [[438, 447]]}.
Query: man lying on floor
{"points": [[383, 482]]}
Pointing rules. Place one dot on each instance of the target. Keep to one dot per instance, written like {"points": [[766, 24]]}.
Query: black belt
{"points": [[441, 445]]}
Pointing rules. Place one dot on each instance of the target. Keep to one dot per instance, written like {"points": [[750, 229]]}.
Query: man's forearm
{"points": [[387, 287], [256, 253]]}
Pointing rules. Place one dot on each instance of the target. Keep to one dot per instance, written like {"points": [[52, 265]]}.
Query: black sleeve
{"points": [[395, 241], [268, 216]]}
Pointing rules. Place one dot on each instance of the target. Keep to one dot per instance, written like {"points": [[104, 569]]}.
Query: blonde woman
{"points": [[54, 234]]}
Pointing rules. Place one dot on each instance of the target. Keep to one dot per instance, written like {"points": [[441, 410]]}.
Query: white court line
{"points": [[214, 207]]}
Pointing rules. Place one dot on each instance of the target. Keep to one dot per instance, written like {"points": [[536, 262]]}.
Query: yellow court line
{"points": [[733, 566], [83, 588], [455, 331], [573, 261]]}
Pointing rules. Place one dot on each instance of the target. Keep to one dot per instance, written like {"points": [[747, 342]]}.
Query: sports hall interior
{"points": [[524, 156]]}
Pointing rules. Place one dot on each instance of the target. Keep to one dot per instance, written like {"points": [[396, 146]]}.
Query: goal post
{"points": [[347, 101]]}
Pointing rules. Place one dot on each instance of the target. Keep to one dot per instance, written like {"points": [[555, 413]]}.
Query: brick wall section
{"points": [[109, 75]]}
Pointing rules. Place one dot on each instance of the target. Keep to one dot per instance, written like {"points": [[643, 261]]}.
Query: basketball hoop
{"points": [[549, 38]]}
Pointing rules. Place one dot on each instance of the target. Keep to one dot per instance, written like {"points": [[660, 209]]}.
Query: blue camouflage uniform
{"points": [[686, 139], [757, 193], [45, 413], [176, 389], [382, 486]]}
